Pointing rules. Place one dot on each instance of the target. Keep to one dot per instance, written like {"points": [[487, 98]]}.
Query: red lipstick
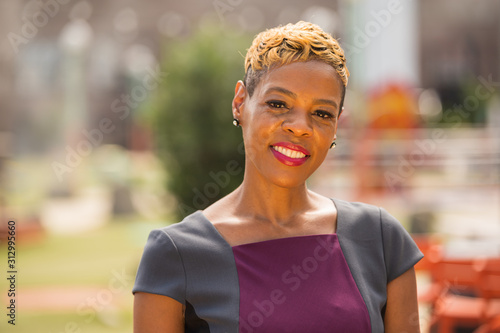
{"points": [[290, 154]]}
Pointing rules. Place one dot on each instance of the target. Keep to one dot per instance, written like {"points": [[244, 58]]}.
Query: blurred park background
{"points": [[115, 118]]}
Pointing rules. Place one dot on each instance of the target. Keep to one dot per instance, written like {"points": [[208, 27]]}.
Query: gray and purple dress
{"points": [[319, 283]]}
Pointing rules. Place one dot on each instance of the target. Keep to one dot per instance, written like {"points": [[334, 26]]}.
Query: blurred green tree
{"points": [[462, 106], [191, 117]]}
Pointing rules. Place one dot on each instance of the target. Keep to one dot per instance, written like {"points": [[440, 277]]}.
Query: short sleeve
{"points": [[161, 270], [400, 251]]}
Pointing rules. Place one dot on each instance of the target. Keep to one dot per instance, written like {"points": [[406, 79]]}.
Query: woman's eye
{"points": [[276, 104], [324, 114]]}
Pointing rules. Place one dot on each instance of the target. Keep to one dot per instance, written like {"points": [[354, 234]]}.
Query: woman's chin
{"points": [[287, 181]]}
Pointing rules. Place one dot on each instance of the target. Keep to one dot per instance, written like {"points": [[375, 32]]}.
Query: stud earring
{"points": [[236, 122], [333, 145]]}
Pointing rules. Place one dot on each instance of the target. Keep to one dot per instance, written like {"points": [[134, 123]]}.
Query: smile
{"points": [[289, 154]]}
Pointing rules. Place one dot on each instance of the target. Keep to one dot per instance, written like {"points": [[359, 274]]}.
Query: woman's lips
{"points": [[290, 154]]}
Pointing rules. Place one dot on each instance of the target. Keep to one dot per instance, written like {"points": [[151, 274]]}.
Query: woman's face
{"points": [[290, 121]]}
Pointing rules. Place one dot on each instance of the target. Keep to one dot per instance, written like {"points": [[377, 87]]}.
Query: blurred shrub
{"points": [[192, 120], [464, 103]]}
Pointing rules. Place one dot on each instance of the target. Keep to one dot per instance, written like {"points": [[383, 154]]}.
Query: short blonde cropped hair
{"points": [[299, 42]]}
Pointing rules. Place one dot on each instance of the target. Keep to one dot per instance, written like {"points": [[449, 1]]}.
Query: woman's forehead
{"points": [[311, 77]]}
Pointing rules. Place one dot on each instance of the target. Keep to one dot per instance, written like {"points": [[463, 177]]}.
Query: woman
{"points": [[273, 256]]}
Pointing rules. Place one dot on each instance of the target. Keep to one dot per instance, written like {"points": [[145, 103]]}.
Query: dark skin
{"points": [[297, 104]]}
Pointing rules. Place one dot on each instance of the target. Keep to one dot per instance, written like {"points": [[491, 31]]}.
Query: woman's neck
{"points": [[271, 203]]}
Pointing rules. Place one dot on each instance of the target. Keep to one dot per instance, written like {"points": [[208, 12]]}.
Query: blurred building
{"points": [[65, 65], [46, 56], [455, 40]]}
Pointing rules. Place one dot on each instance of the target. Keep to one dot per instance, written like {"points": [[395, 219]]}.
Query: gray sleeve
{"points": [[400, 251], [161, 270]]}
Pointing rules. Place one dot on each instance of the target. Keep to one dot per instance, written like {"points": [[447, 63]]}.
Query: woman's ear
{"points": [[240, 94]]}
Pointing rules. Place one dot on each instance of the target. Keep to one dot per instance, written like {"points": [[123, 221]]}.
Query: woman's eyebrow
{"points": [[294, 95], [281, 90], [326, 101]]}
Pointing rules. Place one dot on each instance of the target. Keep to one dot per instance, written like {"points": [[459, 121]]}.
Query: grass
{"points": [[78, 261], [69, 322]]}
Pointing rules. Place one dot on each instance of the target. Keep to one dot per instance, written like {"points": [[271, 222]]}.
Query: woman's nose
{"points": [[298, 123]]}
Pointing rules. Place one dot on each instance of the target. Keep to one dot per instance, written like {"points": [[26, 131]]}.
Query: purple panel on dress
{"points": [[298, 284]]}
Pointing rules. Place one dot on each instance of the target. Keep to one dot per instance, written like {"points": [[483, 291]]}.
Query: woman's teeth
{"points": [[289, 153]]}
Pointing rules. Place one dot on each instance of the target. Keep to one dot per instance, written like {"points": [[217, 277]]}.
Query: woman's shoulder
{"points": [[191, 233], [370, 218], [192, 224], [357, 210], [221, 211]]}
